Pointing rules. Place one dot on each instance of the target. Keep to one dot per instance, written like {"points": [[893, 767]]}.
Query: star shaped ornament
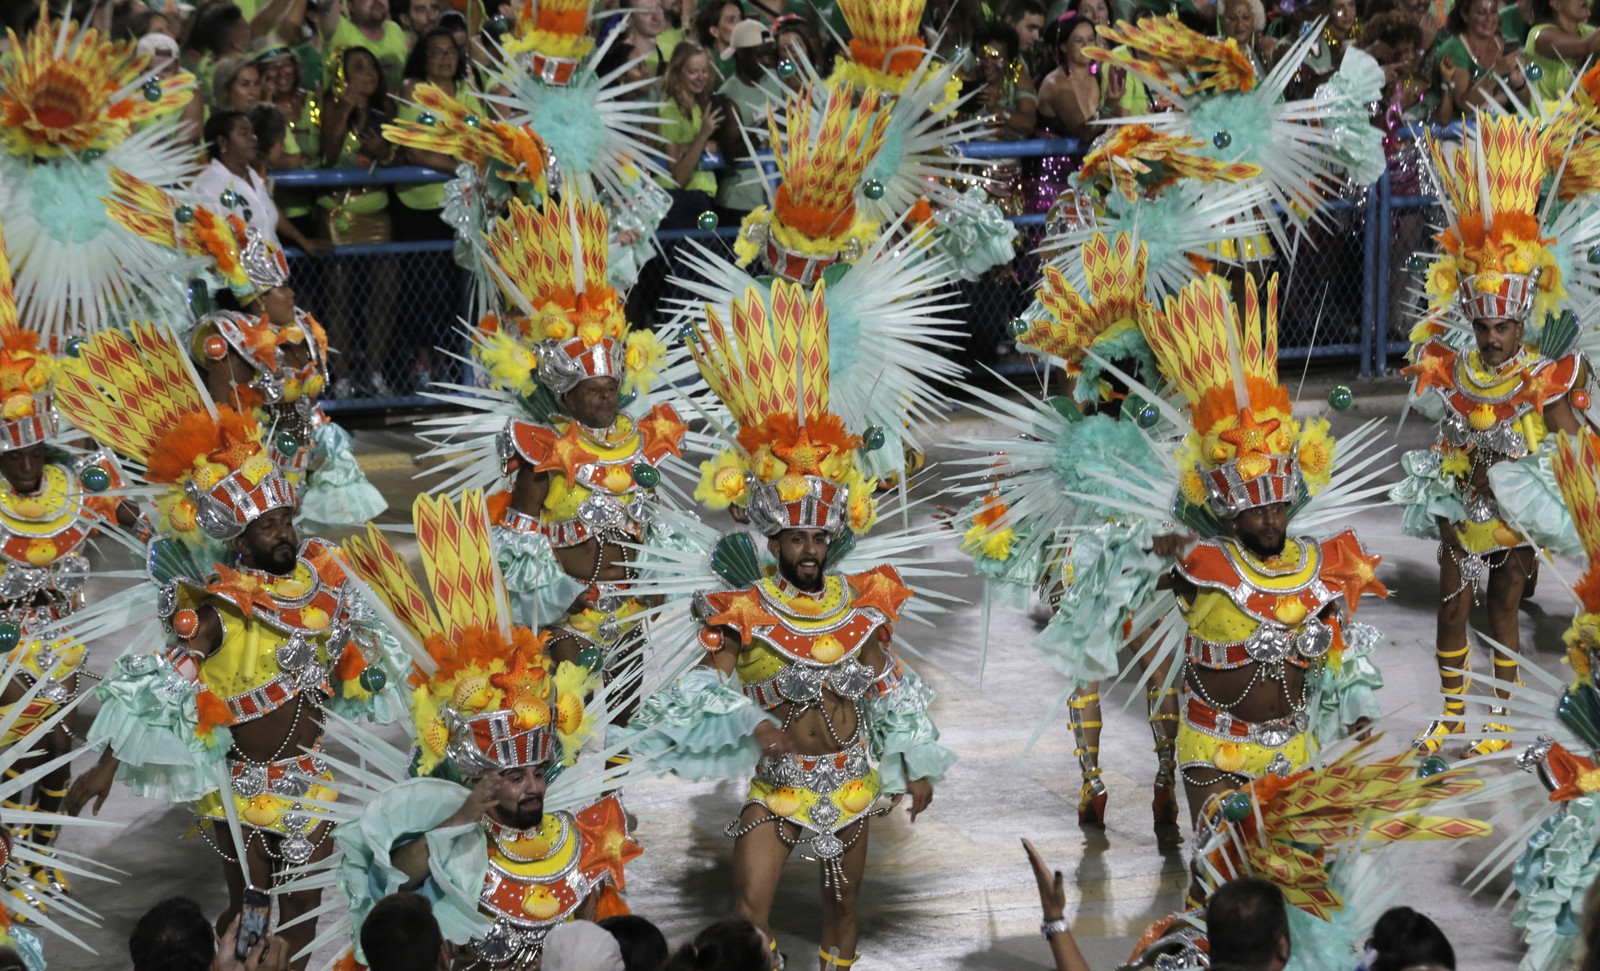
{"points": [[1250, 435], [662, 431], [1353, 573], [566, 455], [742, 611], [607, 846], [881, 588]]}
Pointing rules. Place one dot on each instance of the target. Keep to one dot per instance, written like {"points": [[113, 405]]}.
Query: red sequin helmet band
{"points": [[29, 429], [563, 365], [224, 510], [489, 742], [823, 506], [1229, 492], [1515, 303]]}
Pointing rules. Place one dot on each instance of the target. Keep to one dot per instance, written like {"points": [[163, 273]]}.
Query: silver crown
{"points": [[509, 748], [770, 513], [561, 372], [263, 262], [1515, 304], [228, 507]]}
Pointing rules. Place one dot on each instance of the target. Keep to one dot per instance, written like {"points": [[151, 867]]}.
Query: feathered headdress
{"points": [[1494, 255], [1577, 468], [553, 40], [1138, 161], [139, 395], [73, 106], [248, 264], [551, 263], [886, 45], [1283, 829], [795, 464], [1246, 449], [1110, 327], [496, 700], [26, 415], [512, 153], [821, 158]]}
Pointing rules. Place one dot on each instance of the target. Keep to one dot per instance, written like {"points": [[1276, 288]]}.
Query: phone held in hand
{"points": [[253, 917]]}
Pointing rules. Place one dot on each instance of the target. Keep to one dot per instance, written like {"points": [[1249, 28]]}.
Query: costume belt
{"points": [[822, 774], [1274, 733], [1267, 644], [270, 697]]}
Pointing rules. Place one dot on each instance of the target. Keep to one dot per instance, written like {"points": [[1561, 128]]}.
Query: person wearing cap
{"points": [[753, 54], [164, 63]]}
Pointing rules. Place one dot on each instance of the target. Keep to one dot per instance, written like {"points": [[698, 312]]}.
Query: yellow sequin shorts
{"points": [[822, 794], [1211, 739], [55, 663], [270, 799]]}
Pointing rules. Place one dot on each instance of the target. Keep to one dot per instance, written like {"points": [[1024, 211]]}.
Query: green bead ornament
{"points": [[1594, 256], [627, 398], [426, 119], [152, 91], [1017, 327], [9, 635], [184, 214], [93, 154], [75, 346], [1532, 72], [471, 121], [707, 221], [1431, 766], [1148, 416], [1236, 806], [230, 199], [873, 190], [873, 439], [646, 475], [1416, 263], [1222, 139], [786, 68], [589, 657], [372, 680], [95, 479], [1340, 397], [286, 443], [687, 333]]}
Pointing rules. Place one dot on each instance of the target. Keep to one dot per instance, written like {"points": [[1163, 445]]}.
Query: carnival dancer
{"points": [[1265, 672], [223, 701], [260, 352], [1485, 488], [51, 503], [77, 105], [799, 676], [1040, 501], [562, 365], [496, 826]]}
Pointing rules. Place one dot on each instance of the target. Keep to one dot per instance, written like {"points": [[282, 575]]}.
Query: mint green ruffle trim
{"points": [[1553, 874], [1113, 575], [702, 727], [149, 719], [1347, 124], [540, 591], [1342, 698], [641, 209], [339, 494], [974, 235], [457, 857], [903, 738], [1530, 501], [1425, 495]]}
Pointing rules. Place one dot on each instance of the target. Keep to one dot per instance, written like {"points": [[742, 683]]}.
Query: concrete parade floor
{"points": [[953, 890]]}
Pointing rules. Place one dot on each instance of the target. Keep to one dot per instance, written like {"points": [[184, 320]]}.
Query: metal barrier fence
{"points": [[391, 308]]}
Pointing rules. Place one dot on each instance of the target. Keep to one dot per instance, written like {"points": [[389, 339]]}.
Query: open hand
{"points": [[1052, 884]]}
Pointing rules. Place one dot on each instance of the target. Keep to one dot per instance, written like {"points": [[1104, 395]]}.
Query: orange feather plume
{"points": [[229, 440]]}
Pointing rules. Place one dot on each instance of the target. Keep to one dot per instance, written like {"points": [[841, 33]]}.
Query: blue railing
{"points": [[1369, 343]]}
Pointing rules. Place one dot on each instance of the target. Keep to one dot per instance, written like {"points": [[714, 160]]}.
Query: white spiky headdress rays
{"points": [[71, 103]]}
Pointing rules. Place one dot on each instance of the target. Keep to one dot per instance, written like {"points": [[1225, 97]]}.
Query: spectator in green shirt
{"points": [[688, 121], [368, 25], [752, 52], [1515, 22], [216, 31], [713, 30], [1561, 39]]}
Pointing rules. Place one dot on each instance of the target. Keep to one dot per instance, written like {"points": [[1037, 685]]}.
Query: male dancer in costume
{"points": [[503, 848], [799, 676], [50, 506], [254, 645], [259, 352], [1265, 610], [1485, 488], [583, 472]]}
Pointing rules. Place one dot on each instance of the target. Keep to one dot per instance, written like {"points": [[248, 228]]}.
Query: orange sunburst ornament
{"points": [[63, 93]]}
